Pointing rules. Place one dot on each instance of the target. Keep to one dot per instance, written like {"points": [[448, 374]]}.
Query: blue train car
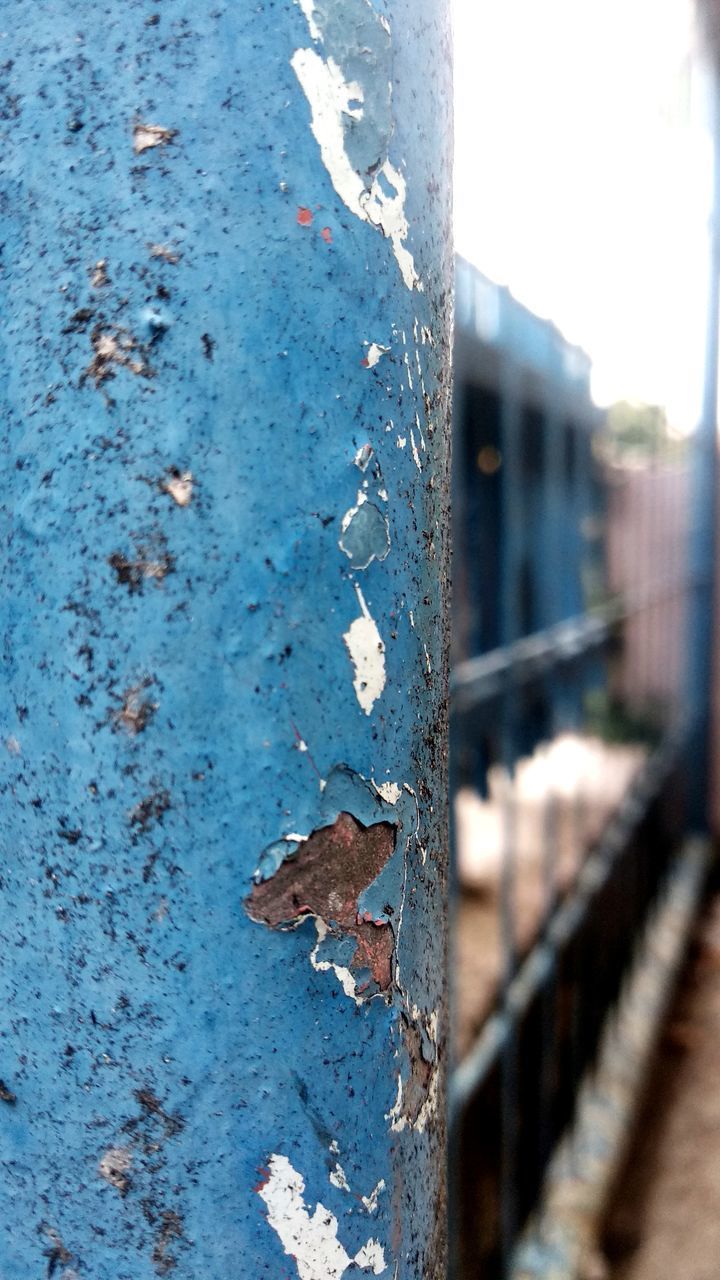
{"points": [[527, 496]]}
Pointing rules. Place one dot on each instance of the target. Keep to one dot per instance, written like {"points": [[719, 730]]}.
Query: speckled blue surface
{"points": [[142, 1008]]}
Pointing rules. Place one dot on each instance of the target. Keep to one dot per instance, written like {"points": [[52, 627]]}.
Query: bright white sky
{"points": [[583, 180]]}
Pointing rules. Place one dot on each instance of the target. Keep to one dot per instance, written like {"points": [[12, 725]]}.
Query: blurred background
{"points": [[586, 960]]}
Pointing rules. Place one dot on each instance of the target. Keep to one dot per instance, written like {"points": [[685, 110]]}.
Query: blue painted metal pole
{"points": [[225, 349], [704, 516]]}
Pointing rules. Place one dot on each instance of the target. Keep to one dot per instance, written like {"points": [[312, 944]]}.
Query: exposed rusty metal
{"points": [[325, 878]]}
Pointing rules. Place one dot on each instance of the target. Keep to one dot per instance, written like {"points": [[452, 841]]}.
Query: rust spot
{"points": [[6, 1095], [56, 1253], [152, 560], [170, 1229], [326, 234], [325, 879], [304, 216], [150, 810], [415, 1090], [151, 1106], [136, 711], [79, 320], [114, 347]]}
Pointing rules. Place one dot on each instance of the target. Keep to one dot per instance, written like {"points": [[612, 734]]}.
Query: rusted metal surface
{"points": [[226, 276]]}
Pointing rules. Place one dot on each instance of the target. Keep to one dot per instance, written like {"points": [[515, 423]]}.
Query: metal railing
{"points": [[606, 680]]}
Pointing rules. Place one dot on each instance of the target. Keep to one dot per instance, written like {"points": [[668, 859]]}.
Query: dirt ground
{"points": [[665, 1218]]}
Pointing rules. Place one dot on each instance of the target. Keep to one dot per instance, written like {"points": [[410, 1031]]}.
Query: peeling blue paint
{"points": [[180, 369]]}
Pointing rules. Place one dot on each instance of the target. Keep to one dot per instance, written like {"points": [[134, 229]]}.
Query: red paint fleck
{"points": [[304, 216], [364, 363], [326, 234], [264, 1179]]}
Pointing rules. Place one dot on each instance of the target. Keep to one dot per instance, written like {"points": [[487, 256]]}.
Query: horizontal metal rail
{"points": [[486, 677]]}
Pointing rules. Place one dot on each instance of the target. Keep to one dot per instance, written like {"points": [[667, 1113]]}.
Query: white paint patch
{"points": [[372, 1255], [311, 1240], [407, 369], [114, 1165], [338, 1178], [390, 791], [367, 654], [401, 442], [383, 495], [428, 665], [308, 9], [348, 517], [342, 973], [180, 486], [375, 352], [146, 136], [371, 1202], [415, 453], [398, 1121], [332, 99]]}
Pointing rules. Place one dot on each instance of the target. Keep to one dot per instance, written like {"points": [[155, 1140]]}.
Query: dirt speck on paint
{"points": [[165, 252], [170, 1228], [99, 275], [150, 810]]}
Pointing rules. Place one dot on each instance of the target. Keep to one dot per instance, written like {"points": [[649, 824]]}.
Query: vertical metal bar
{"points": [[513, 523], [513, 536], [222, 805], [704, 508]]}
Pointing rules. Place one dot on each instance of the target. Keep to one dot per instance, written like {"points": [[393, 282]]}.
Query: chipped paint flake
{"points": [[333, 101], [308, 8], [372, 1257], [367, 654], [179, 484], [371, 1202], [375, 353], [338, 1178], [365, 535], [114, 1166], [389, 791], [146, 136], [415, 454], [310, 1239], [342, 973]]}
